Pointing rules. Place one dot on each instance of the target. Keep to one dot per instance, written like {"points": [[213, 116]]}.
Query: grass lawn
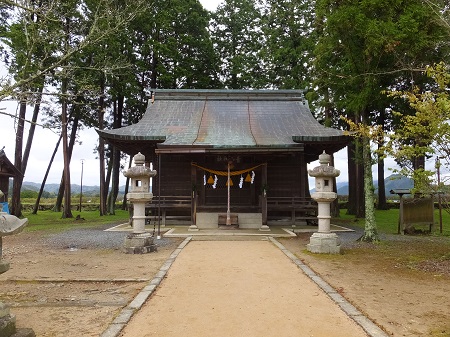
{"points": [[52, 221], [387, 221]]}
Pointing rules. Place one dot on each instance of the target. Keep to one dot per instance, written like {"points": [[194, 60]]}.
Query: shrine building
{"points": [[7, 171], [243, 152]]}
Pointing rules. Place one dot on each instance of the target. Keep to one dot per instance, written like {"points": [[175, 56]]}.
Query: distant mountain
{"points": [[75, 189], [392, 182]]}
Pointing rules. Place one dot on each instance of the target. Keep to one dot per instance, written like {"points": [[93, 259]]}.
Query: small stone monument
{"points": [[324, 241], [139, 242], [9, 225]]}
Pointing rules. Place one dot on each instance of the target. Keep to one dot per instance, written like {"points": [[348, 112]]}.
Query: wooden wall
{"points": [[286, 177]]}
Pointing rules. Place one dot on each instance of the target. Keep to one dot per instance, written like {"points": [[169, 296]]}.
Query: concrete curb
{"points": [[368, 326], [127, 312]]}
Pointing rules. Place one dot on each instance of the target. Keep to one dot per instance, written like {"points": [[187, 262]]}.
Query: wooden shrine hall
{"points": [[229, 157]]}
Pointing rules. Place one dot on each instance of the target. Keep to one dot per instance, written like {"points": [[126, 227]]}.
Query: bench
{"points": [[170, 204], [300, 208], [167, 205]]}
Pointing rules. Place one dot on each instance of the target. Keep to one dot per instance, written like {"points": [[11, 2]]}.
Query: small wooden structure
{"points": [[414, 211], [7, 170], [243, 152]]}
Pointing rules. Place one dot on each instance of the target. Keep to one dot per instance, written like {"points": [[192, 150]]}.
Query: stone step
{"points": [[25, 332], [7, 325]]}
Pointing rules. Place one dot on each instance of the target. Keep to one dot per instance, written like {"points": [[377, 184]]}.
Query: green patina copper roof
{"points": [[225, 119]]}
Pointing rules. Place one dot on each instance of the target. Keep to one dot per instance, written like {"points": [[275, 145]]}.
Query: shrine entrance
{"points": [[229, 192]]}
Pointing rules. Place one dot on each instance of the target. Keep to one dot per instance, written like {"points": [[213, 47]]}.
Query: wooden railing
{"points": [[167, 204], [300, 208], [170, 201], [296, 208]]}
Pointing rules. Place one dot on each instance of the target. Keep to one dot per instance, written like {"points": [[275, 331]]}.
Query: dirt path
{"points": [[59, 291], [238, 288]]}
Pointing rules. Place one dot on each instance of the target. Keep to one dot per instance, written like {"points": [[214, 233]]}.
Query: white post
{"points": [[228, 222]]}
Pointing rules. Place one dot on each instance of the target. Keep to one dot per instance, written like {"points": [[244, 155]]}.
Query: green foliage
{"points": [[238, 39], [363, 48], [427, 131], [287, 53], [28, 194]]}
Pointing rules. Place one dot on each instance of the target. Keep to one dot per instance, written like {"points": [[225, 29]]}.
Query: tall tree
{"points": [[41, 40], [287, 51], [363, 48], [430, 123], [237, 35]]}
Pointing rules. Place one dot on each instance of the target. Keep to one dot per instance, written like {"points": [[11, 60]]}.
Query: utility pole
{"points": [[81, 183]]}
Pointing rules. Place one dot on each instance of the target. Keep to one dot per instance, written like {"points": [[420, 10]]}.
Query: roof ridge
{"points": [[201, 122], [250, 123]]}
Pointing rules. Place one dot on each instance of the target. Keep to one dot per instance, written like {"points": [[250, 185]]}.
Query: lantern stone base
{"points": [[8, 325], [139, 244], [324, 243], [4, 266]]}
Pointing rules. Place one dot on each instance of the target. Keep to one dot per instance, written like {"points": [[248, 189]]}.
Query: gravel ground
{"points": [[350, 239], [94, 238], [98, 238]]}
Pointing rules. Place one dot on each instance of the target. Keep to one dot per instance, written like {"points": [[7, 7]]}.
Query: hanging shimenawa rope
{"points": [[225, 173]]}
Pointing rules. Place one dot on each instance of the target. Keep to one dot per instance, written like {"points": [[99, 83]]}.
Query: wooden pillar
{"points": [[401, 227], [194, 194], [304, 185], [159, 194], [263, 195]]}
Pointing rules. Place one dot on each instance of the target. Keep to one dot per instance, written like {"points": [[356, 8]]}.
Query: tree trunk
{"points": [[108, 175], [370, 228], [36, 109], [352, 182], [334, 210], [60, 195], [67, 211], [41, 190], [154, 73], [419, 163], [382, 204], [118, 114], [127, 182], [68, 156], [101, 148], [16, 207], [360, 174]]}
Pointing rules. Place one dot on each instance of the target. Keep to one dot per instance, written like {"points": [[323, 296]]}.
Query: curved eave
{"points": [[131, 144], [110, 135], [315, 145], [9, 169]]}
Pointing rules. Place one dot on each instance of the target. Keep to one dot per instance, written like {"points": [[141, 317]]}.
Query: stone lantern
{"points": [[139, 241], [324, 241], [9, 225]]}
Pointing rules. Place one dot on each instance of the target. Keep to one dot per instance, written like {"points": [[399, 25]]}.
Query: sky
{"points": [[83, 153]]}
